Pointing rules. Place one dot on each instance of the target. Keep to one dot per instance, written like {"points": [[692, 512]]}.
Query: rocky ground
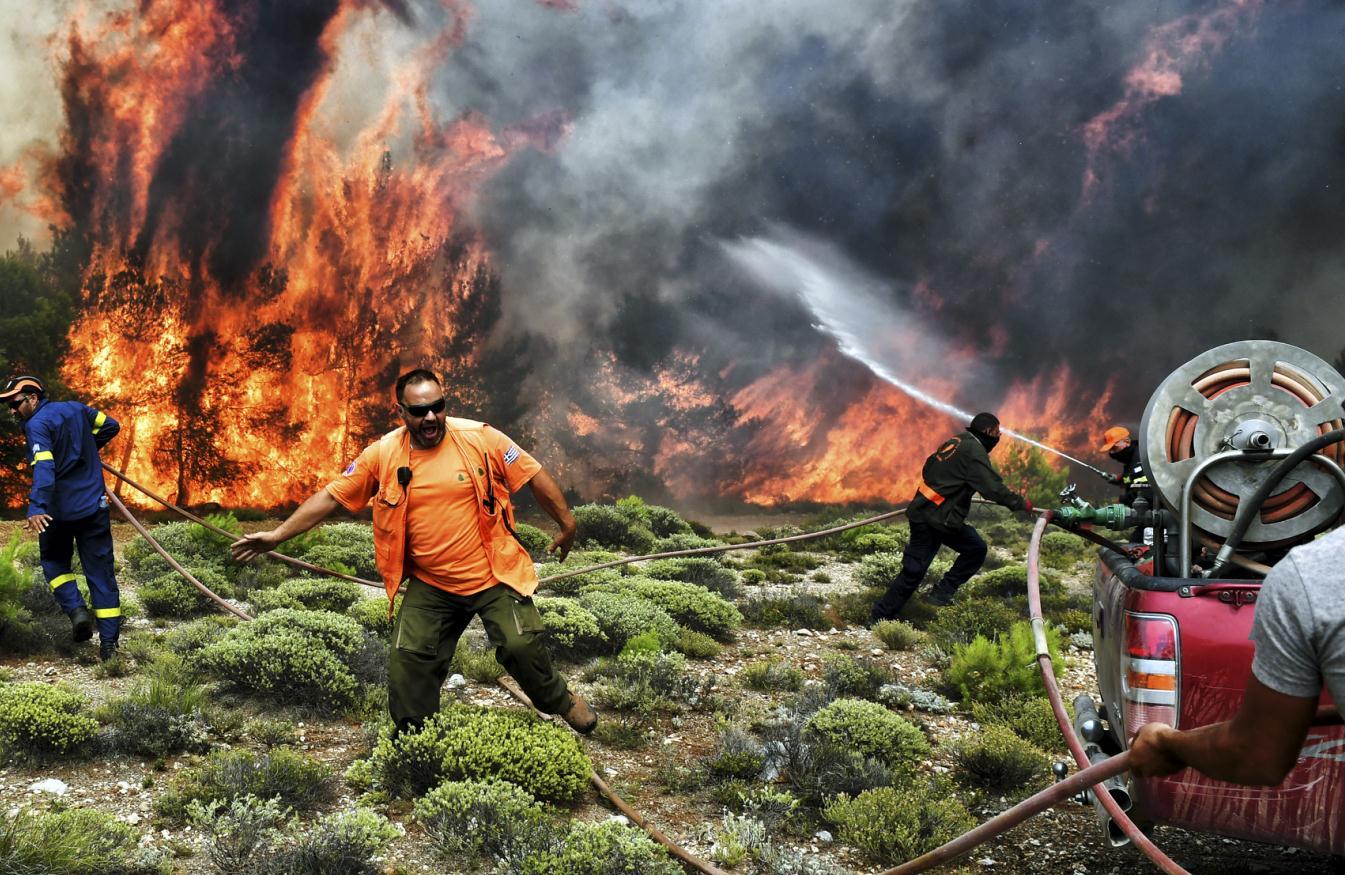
{"points": [[1066, 840]]}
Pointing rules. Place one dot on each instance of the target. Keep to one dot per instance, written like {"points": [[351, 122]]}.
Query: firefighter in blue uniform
{"points": [[68, 506]]}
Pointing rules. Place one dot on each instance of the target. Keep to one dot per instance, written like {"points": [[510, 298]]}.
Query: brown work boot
{"points": [[581, 716]]}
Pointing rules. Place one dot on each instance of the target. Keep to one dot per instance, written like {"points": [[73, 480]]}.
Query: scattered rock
{"points": [[54, 786]]}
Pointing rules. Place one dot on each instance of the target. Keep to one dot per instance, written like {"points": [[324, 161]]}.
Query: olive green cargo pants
{"points": [[426, 633]]}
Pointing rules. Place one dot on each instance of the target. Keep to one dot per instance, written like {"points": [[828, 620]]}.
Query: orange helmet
{"points": [[17, 385], [1113, 436]]}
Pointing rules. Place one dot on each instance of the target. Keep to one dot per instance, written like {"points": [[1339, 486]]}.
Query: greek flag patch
{"points": [[510, 454], [350, 469]]}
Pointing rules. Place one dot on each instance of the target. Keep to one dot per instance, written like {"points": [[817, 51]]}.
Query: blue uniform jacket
{"points": [[64, 438]]}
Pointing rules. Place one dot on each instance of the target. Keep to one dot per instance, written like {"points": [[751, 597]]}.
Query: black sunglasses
{"points": [[14, 405], [419, 410]]}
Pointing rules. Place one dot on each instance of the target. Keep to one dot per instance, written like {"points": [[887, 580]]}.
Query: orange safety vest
{"points": [[509, 561]]}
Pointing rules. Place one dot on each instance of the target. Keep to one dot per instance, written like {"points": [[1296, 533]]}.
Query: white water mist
{"points": [[858, 312]]}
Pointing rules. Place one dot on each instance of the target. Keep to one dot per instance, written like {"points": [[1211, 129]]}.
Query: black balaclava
{"points": [[1125, 457], [982, 423]]}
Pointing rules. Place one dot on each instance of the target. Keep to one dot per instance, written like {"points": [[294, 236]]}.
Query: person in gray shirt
{"points": [[1299, 631]]}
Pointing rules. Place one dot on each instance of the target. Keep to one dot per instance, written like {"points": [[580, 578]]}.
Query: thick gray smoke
{"points": [[940, 143]]}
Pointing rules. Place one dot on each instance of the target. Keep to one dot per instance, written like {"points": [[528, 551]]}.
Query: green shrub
{"points": [[308, 594], [621, 735], [240, 832], [893, 825], [999, 762], [161, 716], [644, 682], [170, 595], [347, 543], [479, 665], [296, 657], [709, 573], [1031, 719], [469, 743], [879, 570], [245, 838], [573, 562], [492, 818], [226, 775], [572, 630], [987, 671], [345, 842], [783, 559], [607, 848], [684, 542], [817, 769], [897, 634], [690, 605], [696, 645], [372, 614], [1063, 550], [877, 542], [737, 755], [798, 610], [271, 733], [621, 615], [40, 721], [76, 841], [665, 522], [189, 638], [753, 577], [960, 622], [606, 526], [871, 730], [854, 676], [15, 577], [188, 543], [772, 674], [1075, 620], [856, 608], [533, 539], [1010, 581]]}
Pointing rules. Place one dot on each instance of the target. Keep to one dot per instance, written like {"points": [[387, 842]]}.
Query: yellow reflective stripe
{"points": [[104, 613], [63, 579], [44, 456], [98, 421]]}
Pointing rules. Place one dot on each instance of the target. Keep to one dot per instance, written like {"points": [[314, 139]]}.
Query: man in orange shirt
{"points": [[443, 522]]}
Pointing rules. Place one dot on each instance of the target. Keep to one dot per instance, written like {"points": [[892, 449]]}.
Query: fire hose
{"points": [[1089, 774]]}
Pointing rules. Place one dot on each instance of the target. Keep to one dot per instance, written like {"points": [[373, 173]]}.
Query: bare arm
{"points": [[549, 496], [314, 510], [1258, 746]]}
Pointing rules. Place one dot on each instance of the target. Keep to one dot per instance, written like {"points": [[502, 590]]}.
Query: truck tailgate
{"points": [[1308, 809]]}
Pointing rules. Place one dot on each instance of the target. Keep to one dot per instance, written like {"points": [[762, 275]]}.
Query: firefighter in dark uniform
{"points": [[1134, 482], [938, 514], [68, 507]]}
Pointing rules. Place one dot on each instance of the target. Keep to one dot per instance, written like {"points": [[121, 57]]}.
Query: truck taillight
{"points": [[1149, 680]]}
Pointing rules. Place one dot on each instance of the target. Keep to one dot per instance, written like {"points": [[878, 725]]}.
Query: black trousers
{"points": [[920, 552]]}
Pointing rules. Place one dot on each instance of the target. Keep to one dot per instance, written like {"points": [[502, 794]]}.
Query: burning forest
{"points": [[675, 249]]}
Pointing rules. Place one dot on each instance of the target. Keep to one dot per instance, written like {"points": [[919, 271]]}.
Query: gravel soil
{"points": [[1065, 840]]}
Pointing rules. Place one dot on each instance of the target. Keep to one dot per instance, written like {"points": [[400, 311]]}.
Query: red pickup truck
{"points": [[1171, 633], [1176, 650]]}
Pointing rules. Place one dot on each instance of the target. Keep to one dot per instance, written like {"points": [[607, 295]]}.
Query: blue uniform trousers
{"points": [[93, 536]]}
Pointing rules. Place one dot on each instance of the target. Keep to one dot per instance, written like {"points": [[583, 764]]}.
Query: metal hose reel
{"points": [[1253, 401]]}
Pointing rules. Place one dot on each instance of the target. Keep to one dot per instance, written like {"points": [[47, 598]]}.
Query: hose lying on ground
{"points": [[1089, 774], [682, 855]]}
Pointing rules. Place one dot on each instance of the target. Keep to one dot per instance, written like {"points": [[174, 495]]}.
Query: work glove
{"points": [[1027, 508], [1114, 479]]}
